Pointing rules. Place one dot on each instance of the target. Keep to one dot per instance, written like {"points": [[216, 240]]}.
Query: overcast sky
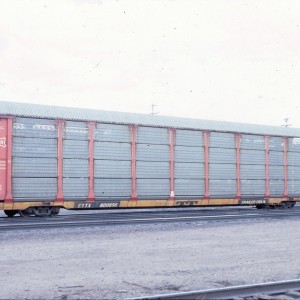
{"points": [[221, 60]]}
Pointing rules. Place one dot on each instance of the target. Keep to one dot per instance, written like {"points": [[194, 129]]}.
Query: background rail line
{"points": [[143, 217], [289, 289]]}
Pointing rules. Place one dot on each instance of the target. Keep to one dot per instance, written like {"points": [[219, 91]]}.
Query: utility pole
{"points": [[286, 123], [153, 110]]}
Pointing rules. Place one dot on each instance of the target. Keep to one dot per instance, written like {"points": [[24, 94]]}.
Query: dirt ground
{"points": [[124, 261]]}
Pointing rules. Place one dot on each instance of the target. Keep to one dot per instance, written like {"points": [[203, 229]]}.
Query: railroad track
{"points": [[127, 217], [289, 289]]}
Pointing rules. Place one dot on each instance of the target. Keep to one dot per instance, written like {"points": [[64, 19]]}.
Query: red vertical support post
{"points": [[91, 195], [60, 195], [267, 141], [206, 165], [9, 196], [133, 162], [285, 162], [238, 165], [3, 158], [172, 170]]}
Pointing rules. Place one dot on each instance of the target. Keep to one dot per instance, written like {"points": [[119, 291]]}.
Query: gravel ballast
{"points": [[133, 260]]}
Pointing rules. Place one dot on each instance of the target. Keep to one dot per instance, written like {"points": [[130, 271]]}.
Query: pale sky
{"points": [[222, 60]]}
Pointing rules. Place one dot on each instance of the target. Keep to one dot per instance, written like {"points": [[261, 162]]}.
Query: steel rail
{"points": [[272, 289], [127, 219]]}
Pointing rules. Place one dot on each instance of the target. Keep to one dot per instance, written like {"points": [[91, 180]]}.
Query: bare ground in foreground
{"points": [[125, 261]]}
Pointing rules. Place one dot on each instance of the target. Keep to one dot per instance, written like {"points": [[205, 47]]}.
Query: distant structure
{"points": [[153, 110], [286, 123]]}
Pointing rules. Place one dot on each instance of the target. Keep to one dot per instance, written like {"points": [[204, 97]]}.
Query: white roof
{"points": [[79, 114]]}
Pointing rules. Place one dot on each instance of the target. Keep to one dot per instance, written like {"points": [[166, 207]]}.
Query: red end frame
{"points": [[238, 165], [267, 141], [3, 157], [60, 195], [91, 195], [133, 162], [9, 197], [285, 162], [206, 158], [172, 143]]}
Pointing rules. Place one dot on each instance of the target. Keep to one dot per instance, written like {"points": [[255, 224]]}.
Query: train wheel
{"points": [[55, 211], [42, 211], [287, 204], [10, 213], [25, 213], [290, 204]]}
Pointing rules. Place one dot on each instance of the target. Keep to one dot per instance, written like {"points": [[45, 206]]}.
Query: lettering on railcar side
{"points": [[109, 204], [2, 165], [296, 141], [19, 126], [186, 203], [97, 204], [253, 202], [76, 130], [83, 205], [107, 131], [3, 142], [44, 127]]}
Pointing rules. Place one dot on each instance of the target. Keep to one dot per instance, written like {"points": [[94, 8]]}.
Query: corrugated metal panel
{"points": [[276, 143], [76, 168], [113, 151], [293, 172], [110, 188], [112, 169], [276, 187], [76, 130], [253, 172], [34, 167], [253, 187], [219, 171], [80, 114], [276, 172], [189, 170], [145, 169], [294, 144], [75, 149], [75, 188], [253, 157], [189, 187], [189, 154], [294, 158], [34, 147], [152, 152], [34, 188], [191, 138], [39, 128], [221, 140], [148, 135], [222, 188], [294, 187], [113, 133], [222, 156], [252, 142], [276, 158], [153, 188]]}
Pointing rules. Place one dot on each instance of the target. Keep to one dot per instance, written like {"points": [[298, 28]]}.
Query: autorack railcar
{"points": [[55, 157]]}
